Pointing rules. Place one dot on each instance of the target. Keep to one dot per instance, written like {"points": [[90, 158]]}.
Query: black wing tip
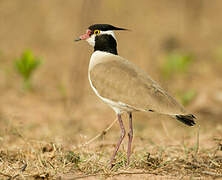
{"points": [[187, 119]]}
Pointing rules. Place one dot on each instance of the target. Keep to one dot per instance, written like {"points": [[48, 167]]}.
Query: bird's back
{"points": [[119, 80]]}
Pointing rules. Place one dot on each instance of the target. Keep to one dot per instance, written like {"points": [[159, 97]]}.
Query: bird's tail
{"points": [[186, 119]]}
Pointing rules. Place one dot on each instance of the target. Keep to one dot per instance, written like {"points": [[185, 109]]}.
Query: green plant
{"points": [[72, 157], [218, 54], [25, 66], [187, 96], [176, 62]]}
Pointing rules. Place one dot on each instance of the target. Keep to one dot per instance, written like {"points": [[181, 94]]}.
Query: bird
{"points": [[125, 87]]}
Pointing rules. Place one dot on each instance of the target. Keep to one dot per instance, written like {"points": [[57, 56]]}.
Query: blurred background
{"points": [[45, 93]]}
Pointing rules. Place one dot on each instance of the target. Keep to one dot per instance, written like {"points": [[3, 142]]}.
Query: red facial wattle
{"points": [[84, 36]]}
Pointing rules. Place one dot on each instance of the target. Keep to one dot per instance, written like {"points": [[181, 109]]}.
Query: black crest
{"points": [[104, 27]]}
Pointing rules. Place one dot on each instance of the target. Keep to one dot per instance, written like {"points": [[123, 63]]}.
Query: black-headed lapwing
{"points": [[124, 86]]}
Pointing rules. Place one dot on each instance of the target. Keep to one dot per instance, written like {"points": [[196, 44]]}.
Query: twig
{"points": [[115, 174], [18, 174], [97, 136], [24, 167], [128, 172], [3, 174], [85, 176], [212, 173], [51, 164], [197, 142], [15, 176], [165, 129]]}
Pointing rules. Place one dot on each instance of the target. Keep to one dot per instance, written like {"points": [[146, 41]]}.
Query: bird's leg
{"points": [[130, 135], [123, 132]]}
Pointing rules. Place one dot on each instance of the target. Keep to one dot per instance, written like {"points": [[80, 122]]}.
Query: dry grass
{"points": [[194, 154], [48, 133], [48, 160]]}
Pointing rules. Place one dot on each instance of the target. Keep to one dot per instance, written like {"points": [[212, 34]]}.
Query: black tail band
{"points": [[186, 119]]}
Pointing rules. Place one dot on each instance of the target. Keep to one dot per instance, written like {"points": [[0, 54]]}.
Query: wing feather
{"points": [[121, 81]]}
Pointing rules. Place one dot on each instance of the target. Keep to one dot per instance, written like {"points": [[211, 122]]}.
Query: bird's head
{"points": [[97, 30]]}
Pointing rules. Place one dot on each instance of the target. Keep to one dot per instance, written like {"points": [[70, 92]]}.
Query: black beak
{"points": [[78, 39]]}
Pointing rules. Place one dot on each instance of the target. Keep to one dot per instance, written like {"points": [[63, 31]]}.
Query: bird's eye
{"points": [[97, 31]]}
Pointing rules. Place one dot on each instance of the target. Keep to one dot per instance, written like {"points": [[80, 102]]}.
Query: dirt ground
{"points": [[46, 132]]}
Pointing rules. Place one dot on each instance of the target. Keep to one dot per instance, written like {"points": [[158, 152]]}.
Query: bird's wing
{"points": [[121, 81]]}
